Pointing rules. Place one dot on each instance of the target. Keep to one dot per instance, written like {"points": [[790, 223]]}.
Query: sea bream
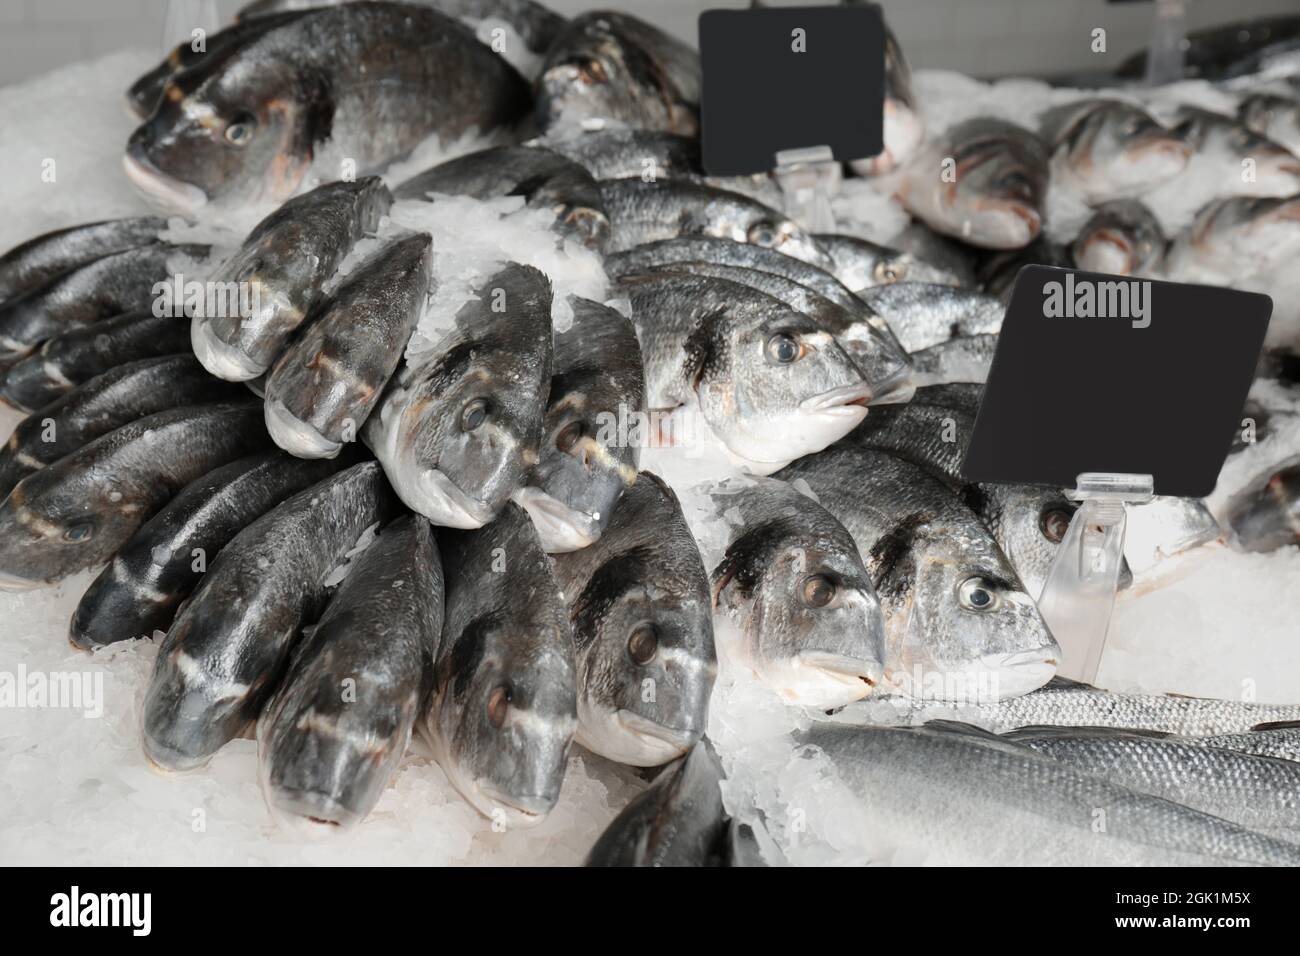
{"points": [[1230, 239], [79, 354], [922, 314], [613, 68], [861, 264], [1108, 149], [545, 179], [77, 512], [106, 402], [326, 756], [768, 381], [363, 81], [37, 261], [1276, 117], [1274, 169], [1122, 237], [638, 604], [461, 423], [958, 621], [592, 432], [142, 587], [107, 286], [283, 264], [228, 647], [811, 627], [327, 381], [983, 181], [503, 709], [966, 358]]}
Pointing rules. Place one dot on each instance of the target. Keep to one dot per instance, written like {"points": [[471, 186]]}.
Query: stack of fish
{"points": [[453, 541]]}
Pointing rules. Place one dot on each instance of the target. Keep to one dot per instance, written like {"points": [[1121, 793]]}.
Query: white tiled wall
{"points": [[982, 37]]}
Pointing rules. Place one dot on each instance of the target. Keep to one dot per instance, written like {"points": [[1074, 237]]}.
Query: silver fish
{"points": [[966, 358], [861, 264], [1276, 170], [1122, 237], [1107, 149], [1280, 740], [37, 261], [922, 314], [638, 602], [1232, 238], [1266, 516], [1276, 117], [227, 650], [955, 261]]}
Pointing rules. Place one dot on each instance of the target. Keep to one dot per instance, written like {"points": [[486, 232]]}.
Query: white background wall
{"points": [[982, 37]]}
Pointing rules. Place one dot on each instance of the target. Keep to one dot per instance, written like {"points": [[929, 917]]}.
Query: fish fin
{"points": [[1065, 683], [1277, 725]]}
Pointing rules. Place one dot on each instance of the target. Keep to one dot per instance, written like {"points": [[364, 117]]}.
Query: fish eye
{"points": [[643, 644], [568, 436], [592, 71], [81, 531], [474, 414], [498, 704], [817, 590], [887, 272], [763, 234], [239, 132], [783, 349], [976, 594], [1053, 524]]}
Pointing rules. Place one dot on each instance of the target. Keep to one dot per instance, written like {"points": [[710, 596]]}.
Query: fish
{"points": [[861, 264], [642, 625], [106, 402], [994, 196], [503, 709], [592, 432], [958, 620], [1280, 741], [458, 431], [955, 261], [904, 128], [110, 285], [966, 358], [1272, 116], [139, 592], [280, 270], [79, 354], [325, 384], [227, 649], [1108, 149], [1234, 237], [1122, 237], [365, 82], [1166, 528], [35, 262], [641, 212], [545, 179], [326, 756], [612, 68], [77, 512], [769, 382], [1266, 516], [791, 578], [1259, 793], [922, 314], [1275, 170], [962, 796], [864, 336]]}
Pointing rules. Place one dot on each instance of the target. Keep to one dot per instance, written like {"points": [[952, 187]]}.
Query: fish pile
{"points": [[356, 505]]}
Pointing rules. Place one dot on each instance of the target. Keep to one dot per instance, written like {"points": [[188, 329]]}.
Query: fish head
{"points": [[592, 75], [646, 660], [1124, 147], [505, 714], [772, 231], [1266, 516], [1277, 169], [1029, 522], [808, 613], [774, 388]]}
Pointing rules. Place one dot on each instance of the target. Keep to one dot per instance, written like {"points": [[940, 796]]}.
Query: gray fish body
{"points": [[861, 264], [78, 355], [641, 212], [503, 708], [327, 756], [325, 384], [1273, 116], [1123, 237], [146, 581], [1281, 742], [639, 607], [590, 437], [37, 261], [791, 577], [1260, 793], [110, 285], [609, 67], [1234, 237], [77, 512], [545, 179], [284, 262], [1266, 516], [227, 649], [964, 796], [458, 431], [1108, 149], [923, 314], [958, 621], [966, 358], [106, 402]]}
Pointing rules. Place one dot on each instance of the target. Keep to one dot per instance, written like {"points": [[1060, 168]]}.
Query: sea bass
{"points": [[1275, 117], [1281, 741], [325, 756], [1230, 239], [638, 603], [1107, 149], [811, 626], [1276, 170], [226, 652], [37, 261], [1123, 237], [326, 383]]}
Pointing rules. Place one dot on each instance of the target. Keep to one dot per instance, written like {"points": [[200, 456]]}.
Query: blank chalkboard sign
{"points": [[1097, 372], [788, 78]]}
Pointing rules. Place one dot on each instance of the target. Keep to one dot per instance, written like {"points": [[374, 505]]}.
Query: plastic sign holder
{"points": [[1078, 596], [809, 179]]}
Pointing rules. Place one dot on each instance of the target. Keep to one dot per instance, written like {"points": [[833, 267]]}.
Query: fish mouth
{"points": [[519, 811], [823, 679], [317, 811], [444, 503], [296, 436], [168, 759], [13, 583], [666, 742], [159, 187], [847, 401], [1018, 673], [219, 358], [1100, 253], [560, 528]]}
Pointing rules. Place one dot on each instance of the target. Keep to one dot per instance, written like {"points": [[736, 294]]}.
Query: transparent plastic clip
{"points": [[809, 179]]}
